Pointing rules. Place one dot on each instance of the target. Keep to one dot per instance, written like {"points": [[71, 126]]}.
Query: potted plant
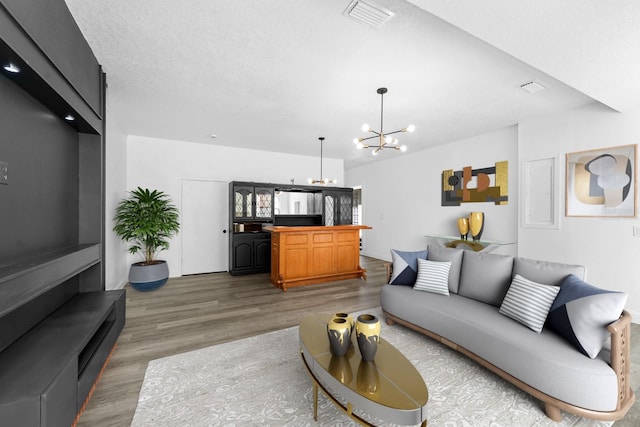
{"points": [[147, 220]]}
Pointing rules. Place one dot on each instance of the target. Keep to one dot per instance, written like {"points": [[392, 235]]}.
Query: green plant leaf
{"points": [[147, 220]]}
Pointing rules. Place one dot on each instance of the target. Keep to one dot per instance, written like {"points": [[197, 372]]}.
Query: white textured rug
{"points": [[261, 381]]}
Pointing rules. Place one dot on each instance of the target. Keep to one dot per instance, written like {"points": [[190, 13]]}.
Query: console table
{"points": [[475, 245], [314, 254]]}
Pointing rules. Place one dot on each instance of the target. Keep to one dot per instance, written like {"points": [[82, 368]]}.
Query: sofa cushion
{"points": [[546, 272], [405, 266], [485, 277], [440, 253], [581, 313], [433, 276], [528, 302]]}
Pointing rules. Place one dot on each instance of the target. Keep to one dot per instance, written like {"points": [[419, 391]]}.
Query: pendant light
{"points": [[322, 180]]}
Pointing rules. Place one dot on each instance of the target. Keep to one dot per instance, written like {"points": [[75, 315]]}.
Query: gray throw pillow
{"points": [[440, 253], [546, 272], [485, 277]]}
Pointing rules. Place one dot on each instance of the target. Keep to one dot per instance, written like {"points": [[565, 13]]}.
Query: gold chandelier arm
{"points": [[371, 137], [396, 131]]}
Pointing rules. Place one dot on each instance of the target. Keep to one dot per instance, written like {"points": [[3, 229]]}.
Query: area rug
{"points": [[261, 381]]}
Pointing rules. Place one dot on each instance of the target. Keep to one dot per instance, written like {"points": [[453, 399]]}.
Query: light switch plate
{"points": [[4, 172]]}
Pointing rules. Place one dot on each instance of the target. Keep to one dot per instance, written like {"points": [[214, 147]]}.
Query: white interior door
{"points": [[203, 226]]}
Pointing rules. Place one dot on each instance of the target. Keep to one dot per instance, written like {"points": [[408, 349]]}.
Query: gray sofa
{"points": [[544, 364]]}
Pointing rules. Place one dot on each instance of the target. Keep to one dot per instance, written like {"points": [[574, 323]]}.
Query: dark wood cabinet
{"points": [[251, 202], [250, 253]]}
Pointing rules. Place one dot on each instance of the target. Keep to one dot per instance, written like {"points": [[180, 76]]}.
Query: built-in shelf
{"points": [[25, 279], [77, 338]]}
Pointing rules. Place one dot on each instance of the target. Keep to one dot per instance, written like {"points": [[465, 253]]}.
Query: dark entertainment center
{"points": [[253, 205], [58, 325]]}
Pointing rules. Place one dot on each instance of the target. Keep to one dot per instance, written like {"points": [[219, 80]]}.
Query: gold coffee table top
{"points": [[389, 388]]}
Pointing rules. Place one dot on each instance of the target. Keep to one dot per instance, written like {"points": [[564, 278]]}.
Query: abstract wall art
{"points": [[602, 182], [476, 185]]}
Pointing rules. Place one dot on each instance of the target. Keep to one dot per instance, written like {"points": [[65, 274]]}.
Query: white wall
{"points": [[401, 196], [116, 263], [162, 164], [606, 246]]}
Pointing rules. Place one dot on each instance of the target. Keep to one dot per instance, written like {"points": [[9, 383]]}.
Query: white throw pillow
{"points": [[433, 276], [529, 302]]}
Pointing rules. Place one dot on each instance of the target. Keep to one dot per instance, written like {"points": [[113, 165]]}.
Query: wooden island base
{"points": [[315, 254]]}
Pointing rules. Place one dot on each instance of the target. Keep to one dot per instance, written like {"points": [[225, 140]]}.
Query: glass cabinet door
{"points": [[329, 208], [243, 202], [346, 208], [264, 203]]}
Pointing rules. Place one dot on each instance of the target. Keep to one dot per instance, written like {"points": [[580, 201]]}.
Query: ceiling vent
{"points": [[368, 13], [532, 87]]}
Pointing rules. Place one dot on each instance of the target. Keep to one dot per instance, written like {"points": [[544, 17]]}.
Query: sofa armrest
{"points": [[389, 267], [621, 356]]}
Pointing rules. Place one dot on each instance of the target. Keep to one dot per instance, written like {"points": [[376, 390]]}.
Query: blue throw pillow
{"points": [[405, 267], [582, 312]]}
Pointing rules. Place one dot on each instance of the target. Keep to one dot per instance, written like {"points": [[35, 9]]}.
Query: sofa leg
{"points": [[553, 412], [390, 322]]}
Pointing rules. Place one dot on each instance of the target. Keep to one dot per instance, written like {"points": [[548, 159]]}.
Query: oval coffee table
{"points": [[389, 388]]}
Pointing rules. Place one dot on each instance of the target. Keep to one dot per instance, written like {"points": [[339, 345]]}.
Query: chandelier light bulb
{"points": [[360, 146], [310, 180], [411, 128], [395, 141], [365, 128], [403, 148], [356, 140], [388, 139], [375, 152]]}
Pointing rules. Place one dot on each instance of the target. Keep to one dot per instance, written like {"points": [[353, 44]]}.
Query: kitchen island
{"points": [[314, 254]]}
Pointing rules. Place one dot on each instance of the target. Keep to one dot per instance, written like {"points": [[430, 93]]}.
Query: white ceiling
{"points": [[276, 74]]}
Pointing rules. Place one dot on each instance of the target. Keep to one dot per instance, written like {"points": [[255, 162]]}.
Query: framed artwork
{"points": [[468, 185], [602, 182]]}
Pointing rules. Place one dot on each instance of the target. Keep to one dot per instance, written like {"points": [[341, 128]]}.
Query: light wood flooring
{"points": [[193, 312]]}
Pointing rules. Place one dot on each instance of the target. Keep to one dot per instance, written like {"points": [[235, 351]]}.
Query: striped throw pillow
{"points": [[529, 302], [433, 276]]}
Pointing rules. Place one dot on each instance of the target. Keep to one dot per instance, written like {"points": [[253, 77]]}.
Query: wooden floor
{"points": [[194, 312]]}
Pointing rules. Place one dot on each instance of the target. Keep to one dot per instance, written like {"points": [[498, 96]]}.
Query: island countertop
{"points": [[306, 255], [304, 228]]}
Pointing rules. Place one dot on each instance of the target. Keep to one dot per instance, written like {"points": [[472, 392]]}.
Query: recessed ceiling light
{"points": [[214, 136], [12, 68], [69, 118]]}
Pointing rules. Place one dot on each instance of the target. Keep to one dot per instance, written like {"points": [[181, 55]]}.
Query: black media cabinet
{"points": [[48, 373]]}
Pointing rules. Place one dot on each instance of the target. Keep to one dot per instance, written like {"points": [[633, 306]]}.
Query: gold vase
{"points": [[368, 334], [347, 317], [339, 332], [476, 224], [463, 227]]}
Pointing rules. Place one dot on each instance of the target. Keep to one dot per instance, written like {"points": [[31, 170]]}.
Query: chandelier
{"points": [[323, 181], [384, 140]]}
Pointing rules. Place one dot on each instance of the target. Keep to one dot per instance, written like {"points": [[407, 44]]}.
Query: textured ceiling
{"points": [[276, 74]]}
